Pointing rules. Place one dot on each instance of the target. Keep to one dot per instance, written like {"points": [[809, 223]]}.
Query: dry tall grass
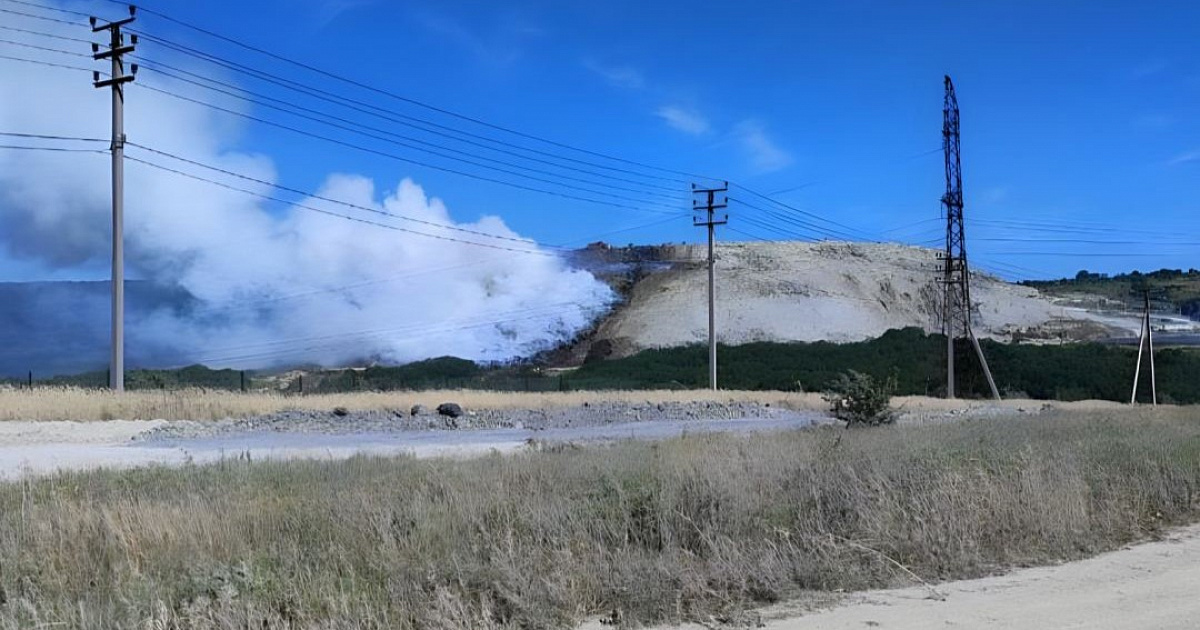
{"points": [[195, 404], [681, 529]]}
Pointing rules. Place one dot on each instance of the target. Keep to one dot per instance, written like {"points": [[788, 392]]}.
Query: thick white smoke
{"points": [[274, 285]]}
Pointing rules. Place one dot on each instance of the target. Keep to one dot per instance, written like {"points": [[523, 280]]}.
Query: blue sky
{"points": [[1079, 119]]}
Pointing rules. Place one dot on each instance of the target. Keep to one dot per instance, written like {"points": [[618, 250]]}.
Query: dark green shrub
{"points": [[859, 399]]}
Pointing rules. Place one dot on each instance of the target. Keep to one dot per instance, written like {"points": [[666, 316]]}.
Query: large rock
{"points": [[450, 409]]}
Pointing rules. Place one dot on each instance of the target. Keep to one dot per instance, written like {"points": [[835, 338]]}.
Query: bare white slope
{"points": [[795, 291]]}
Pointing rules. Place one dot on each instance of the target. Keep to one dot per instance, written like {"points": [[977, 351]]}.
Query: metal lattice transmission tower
{"points": [[956, 279]]}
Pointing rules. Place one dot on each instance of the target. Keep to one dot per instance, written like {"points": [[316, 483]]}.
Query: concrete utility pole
{"points": [[709, 205], [956, 274], [116, 51], [1145, 341]]}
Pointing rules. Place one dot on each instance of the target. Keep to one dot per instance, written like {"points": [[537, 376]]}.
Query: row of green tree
{"points": [[1172, 288], [915, 360], [917, 363]]}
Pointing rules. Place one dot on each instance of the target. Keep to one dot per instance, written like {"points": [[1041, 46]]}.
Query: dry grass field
{"points": [[690, 528]]}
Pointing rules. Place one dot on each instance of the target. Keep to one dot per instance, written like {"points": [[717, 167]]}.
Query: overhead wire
{"points": [[401, 158], [393, 117], [339, 202], [409, 142], [41, 136], [310, 90], [10, 42], [848, 229], [48, 8], [412, 101], [781, 230], [748, 234], [46, 63], [332, 214], [817, 228], [44, 34], [53, 149], [392, 156], [37, 17]]}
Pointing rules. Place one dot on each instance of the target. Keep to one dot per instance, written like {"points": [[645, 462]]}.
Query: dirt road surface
{"points": [[1147, 586], [35, 448]]}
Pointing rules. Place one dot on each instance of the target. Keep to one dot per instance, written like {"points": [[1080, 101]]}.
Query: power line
{"points": [[411, 101], [47, 63], [39, 136], [748, 234], [1068, 228], [1085, 254], [797, 222], [913, 224], [397, 118], [333, 214], [330, 200], [42, 34], [797, 210], [47, 8], [1083, 241], [57, 149], [397, 157], [406, 140], [771, 227], [264, 75], [630, 229], [369, 135], [37, 17], [391, 115], [44, 48]]}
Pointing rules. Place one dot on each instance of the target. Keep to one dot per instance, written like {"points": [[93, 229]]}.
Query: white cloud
{"points": [[686, 120], [765, 156], [617, 76], [1185, 158], [329, 10]]}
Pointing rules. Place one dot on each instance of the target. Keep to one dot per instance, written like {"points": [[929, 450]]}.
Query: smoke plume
{"points": [[269, 283]]}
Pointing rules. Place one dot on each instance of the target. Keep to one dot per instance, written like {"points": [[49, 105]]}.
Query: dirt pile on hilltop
{"points": [[829, 291]]}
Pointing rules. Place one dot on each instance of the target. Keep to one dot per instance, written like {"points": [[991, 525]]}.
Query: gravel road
{"points": [[425, 419], [42, 447]]}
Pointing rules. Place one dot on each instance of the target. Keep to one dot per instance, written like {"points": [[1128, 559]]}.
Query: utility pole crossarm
{"points": [[115, 53]]}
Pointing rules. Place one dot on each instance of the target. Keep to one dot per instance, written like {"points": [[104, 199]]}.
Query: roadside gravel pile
{"points": [[341, 421], [975, 411]]}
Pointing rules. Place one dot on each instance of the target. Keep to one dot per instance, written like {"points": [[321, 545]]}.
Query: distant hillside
{"points": [[63, 327], [828, 291], [1171, 289]]}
